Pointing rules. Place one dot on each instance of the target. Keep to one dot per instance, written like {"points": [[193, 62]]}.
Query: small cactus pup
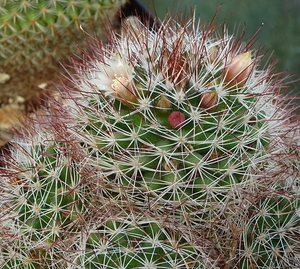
{"points": [[171, 149]]}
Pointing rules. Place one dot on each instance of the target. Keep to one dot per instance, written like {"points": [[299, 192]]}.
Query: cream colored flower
{"points": [[116, 79]]}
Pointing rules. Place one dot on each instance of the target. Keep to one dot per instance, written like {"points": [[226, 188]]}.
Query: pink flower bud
{"points": [[213, 54], [238, 69], [176, 119], [164, 103], [123, 90], [209, 100]]}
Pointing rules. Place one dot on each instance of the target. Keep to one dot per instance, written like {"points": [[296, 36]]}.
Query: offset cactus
{"points": [[171, 150], [271, 235]]}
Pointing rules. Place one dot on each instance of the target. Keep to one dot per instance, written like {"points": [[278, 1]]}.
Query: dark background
{"points": [[280, 33]]}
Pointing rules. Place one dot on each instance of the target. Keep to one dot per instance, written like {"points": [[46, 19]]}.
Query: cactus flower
{"points": [[238, 69], [116, 80], [122, 89]]}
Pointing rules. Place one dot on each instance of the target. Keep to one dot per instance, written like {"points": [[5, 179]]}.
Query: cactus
{"points": [[171, 149], [270, 236], [39, 33], [35, 36]]}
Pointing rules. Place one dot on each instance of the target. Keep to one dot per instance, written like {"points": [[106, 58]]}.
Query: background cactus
{"points": [[170, 150], [36, 35], [39, 33]]}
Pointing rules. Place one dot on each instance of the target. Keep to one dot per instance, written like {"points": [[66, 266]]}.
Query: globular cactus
{"points": [[271, 235], [57, 213], [39, 33], [36, 36], [170, 150]]}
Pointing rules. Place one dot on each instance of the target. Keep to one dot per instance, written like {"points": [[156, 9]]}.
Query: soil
{"points": [[20, 93]]}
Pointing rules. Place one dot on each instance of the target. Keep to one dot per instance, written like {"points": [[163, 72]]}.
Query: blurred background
{"points": [[280, 33]]}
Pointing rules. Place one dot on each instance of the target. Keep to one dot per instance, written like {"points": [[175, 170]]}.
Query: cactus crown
{"points": [[170, 150]]}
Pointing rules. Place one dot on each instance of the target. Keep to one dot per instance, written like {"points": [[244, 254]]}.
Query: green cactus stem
{"points": [[35, 36], [38, 33], [171, 149]]}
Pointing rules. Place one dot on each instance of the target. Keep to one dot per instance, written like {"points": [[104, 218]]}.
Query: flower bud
{"points": [[123, 90], [132, 28], [209, 100], [164, 103], [176, 119], [238, 69], [213, 54]]}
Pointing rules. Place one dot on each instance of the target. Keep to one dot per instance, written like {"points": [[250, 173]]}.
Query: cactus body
{"points": [[39, 33], [36, 36], [159, 158]]}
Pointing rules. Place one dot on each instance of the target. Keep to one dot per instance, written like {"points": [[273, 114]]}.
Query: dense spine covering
{"points": [[36, 36], [38, 33], [170, 150]]}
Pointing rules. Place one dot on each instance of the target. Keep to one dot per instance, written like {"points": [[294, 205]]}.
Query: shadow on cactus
{"points": [[171, 150]]}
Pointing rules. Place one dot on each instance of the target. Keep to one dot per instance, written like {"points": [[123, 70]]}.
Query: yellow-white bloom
{"points": [[115, 78]]}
